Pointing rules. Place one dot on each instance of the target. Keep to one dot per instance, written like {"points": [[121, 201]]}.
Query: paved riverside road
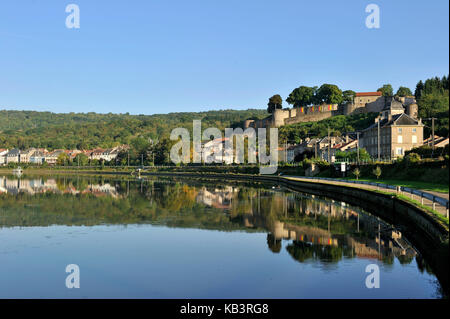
{"points": [[439, 208]]}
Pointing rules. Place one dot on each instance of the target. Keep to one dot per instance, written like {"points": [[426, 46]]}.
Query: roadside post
{"points": [[343, 169]]}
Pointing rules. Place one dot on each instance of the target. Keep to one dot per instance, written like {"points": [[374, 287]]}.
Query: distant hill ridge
{"points": [[25, 129]]}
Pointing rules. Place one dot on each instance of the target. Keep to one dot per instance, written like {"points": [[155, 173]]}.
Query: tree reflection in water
{"points": [[315, 228]]}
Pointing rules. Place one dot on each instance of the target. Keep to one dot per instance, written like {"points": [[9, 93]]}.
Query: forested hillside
{"points": [[338, 126], [25, 129], [433, 99]]}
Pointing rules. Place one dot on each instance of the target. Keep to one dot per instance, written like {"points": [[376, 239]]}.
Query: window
{"points": [[414, 139], [414, 130], [399, 151], [399, 139], [400, 130]]}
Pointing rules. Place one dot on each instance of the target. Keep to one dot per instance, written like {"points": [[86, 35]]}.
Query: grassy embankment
{"points": [[430, 176]]}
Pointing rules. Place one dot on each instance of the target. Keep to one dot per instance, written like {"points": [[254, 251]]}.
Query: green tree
{"points": [[403, 91], [81, 159], [348, 96], [301, 96], [419, 89], [162, 151], [386, 90], [275, 102], [377, 172], [357, 173], [62, 159], [433, 101], [330, 94], [122, 158], [353, 155]]}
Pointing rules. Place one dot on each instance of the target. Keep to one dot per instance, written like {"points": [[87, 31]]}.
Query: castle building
{"points": [[363, 98]]}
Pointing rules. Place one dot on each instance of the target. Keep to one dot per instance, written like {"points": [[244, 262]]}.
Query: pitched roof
{"points": [[369, 94], [337, 139], [393, 104], [398, 119], [404, 119], [14, 152]]}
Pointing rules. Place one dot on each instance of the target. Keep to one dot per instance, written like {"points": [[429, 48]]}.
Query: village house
{"points": [[25, 155], [97, 154], [347, 146], [38, 157], [290, 155], [438, 141], [398, 132], [328, 143], [214, 151], [308, 147], [52, 157], [287, 154], [110, 154], [3, 152], [13, 156]]}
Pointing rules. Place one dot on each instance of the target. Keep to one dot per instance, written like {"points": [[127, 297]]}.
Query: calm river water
{"points": [[166, 238]]}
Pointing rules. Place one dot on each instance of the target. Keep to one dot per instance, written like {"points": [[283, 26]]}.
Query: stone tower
{"points": [[412, 110]]}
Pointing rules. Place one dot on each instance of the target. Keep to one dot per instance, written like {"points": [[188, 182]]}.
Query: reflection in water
{"points": [[315, 229]]}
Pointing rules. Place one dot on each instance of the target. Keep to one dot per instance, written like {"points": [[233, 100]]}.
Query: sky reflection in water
{"points": [[188, 239]]}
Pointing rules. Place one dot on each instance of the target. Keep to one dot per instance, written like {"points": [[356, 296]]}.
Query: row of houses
{"points": [[40, 156]]}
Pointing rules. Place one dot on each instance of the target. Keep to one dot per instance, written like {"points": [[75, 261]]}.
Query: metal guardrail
{"points": [[433, 198]]}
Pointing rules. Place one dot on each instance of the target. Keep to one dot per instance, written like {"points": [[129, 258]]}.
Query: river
{"points": [[174, 238]]}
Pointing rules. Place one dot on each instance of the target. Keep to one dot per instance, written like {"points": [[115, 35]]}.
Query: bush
{"points": [[425, 151], [412, 158]]}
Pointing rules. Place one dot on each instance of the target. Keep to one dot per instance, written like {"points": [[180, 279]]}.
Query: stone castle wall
{"points": [[315, 113], [282, 117]]}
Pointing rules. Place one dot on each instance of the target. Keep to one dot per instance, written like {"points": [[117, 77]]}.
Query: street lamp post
{"points": [[357, 146]]}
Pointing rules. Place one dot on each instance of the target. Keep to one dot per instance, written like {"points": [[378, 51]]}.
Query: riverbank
{"points": [[424, 202]]}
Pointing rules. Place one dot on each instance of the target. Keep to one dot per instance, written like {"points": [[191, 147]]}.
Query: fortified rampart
{"points": [[369, 102], [282, 117]]}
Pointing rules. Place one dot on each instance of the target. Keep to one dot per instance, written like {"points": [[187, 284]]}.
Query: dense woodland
{"points": [[149, 134], [433, 99], [23, 129]]}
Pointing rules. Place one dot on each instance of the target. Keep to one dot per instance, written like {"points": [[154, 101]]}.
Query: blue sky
{"points": [[146, 57]]}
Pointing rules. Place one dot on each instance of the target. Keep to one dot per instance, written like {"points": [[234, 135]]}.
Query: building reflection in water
{"points": [[33, 186], [314, 228]]}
